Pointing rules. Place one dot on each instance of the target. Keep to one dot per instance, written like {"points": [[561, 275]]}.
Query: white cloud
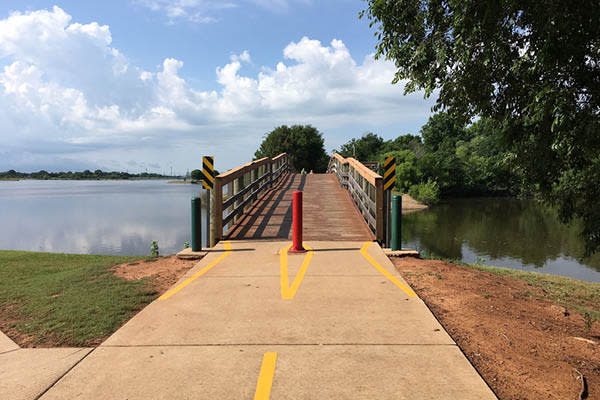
{"points": [[244, 57], [203, 11], [197, 11], [66, 93]]}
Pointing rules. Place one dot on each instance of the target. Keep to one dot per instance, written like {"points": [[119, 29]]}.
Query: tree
{"points": [[303, 143], [532, 67], [364, 149], [196, 175]]}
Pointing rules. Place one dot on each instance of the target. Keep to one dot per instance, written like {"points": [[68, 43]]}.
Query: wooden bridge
{"points": [[347, 203], [249, 321]]}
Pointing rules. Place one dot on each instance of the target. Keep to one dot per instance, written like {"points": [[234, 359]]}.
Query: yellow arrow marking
{"points": [[265, 378], [384, 272], [197, 274], [287, 292]]}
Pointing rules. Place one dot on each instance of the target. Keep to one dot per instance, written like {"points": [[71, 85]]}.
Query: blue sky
{"points": [[150, 84]]}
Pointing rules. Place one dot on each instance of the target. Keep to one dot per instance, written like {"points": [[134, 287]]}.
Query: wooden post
{"points": [[217, 216], [236, 190], [380, 212]]}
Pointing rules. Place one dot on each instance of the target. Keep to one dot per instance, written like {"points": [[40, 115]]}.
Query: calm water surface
{"points": [[513, 233], [96, 217], [123, 217]]}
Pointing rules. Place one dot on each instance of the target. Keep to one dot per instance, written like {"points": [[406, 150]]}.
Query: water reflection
{"points": [[96, 217], [506, 232]]}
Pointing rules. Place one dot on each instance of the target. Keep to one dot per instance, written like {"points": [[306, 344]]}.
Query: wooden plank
{"points": [[242, 192]]}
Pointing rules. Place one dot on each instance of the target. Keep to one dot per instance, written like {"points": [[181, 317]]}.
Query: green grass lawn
{"points": [[66, 299]]}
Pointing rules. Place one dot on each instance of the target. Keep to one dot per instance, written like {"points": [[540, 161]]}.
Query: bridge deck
{"points": [[329, 213]]}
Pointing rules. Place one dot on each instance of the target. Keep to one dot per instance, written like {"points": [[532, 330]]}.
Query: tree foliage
{"points": [[77, 175], [365, 148], [531, 67], [196, 175], [457, 159], [303, 143]]}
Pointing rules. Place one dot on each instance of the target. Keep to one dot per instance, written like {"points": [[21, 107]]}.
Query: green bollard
{"points": [[196, 224], [396, 222]]}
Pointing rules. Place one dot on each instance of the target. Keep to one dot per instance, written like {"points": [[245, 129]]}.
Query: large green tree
{"points": [[365, 148], [303, 143], [531, 66]]}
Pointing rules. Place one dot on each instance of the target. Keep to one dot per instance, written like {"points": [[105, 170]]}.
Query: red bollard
{"points": [[297, 224]]}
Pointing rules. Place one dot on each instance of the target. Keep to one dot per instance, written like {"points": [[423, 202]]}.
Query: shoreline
{"points": [[529, 335]]}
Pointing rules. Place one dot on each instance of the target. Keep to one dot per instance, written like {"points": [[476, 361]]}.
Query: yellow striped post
{"points": [[389, 173], [389, 181], [208, 172]]}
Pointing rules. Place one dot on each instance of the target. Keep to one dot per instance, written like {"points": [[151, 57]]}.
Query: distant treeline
{"points": [[85, 175]]}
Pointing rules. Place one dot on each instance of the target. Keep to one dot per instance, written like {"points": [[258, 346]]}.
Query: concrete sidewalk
{"points": [[342, 322]]}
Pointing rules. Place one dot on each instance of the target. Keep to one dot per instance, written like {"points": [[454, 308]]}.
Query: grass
{"points": [[573, 294], [67, 299]]}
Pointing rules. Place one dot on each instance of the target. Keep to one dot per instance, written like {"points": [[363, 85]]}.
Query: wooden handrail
{"points": [[230, 175], [246, 183], [366, 189]]}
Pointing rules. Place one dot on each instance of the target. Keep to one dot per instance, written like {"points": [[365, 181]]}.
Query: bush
{"points": [[427, 193]]}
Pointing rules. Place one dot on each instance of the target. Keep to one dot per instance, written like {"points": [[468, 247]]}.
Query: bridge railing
{"points": [[244, 185], [366, 190]]}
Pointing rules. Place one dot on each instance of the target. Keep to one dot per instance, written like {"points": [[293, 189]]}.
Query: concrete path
{"points": [[251, 322], [6, 344], [26, 373]]}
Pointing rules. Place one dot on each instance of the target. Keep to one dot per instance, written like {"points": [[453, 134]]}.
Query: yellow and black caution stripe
{"points": [[208, 172], [389, 173]]}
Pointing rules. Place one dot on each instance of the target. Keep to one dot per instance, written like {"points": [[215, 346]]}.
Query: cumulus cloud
{"points": [[65, 90], [197, 11], [203, 11]]}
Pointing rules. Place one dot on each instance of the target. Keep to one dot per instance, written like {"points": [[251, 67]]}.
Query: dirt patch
{"points": [[409, 204], [524, 346], [164, 271], [8, 322]]}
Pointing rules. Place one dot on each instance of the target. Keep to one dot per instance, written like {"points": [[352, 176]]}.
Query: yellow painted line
{"points": [[265, 378], [385, 273], [197, 274], [389, 171], [287, 292]]}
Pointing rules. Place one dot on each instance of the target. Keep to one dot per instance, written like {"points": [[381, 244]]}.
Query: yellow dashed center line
{"points": [[197, 274], [384, 272], [287, 292], [265, 378]]}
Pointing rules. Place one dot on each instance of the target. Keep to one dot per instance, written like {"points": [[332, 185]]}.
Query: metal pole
{"points": [[208, 232], [196, 224], [397, 222], [297, 224]]}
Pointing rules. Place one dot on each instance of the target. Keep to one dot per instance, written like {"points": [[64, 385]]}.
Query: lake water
{"points": [[513, 233], [96, 217], [123, 217]]}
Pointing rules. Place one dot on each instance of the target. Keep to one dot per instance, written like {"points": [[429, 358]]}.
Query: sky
{"points": [[150, 85]]}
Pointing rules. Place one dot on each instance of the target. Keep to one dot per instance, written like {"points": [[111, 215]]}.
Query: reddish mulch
{"points": [[164, 271], [524, 347]]}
